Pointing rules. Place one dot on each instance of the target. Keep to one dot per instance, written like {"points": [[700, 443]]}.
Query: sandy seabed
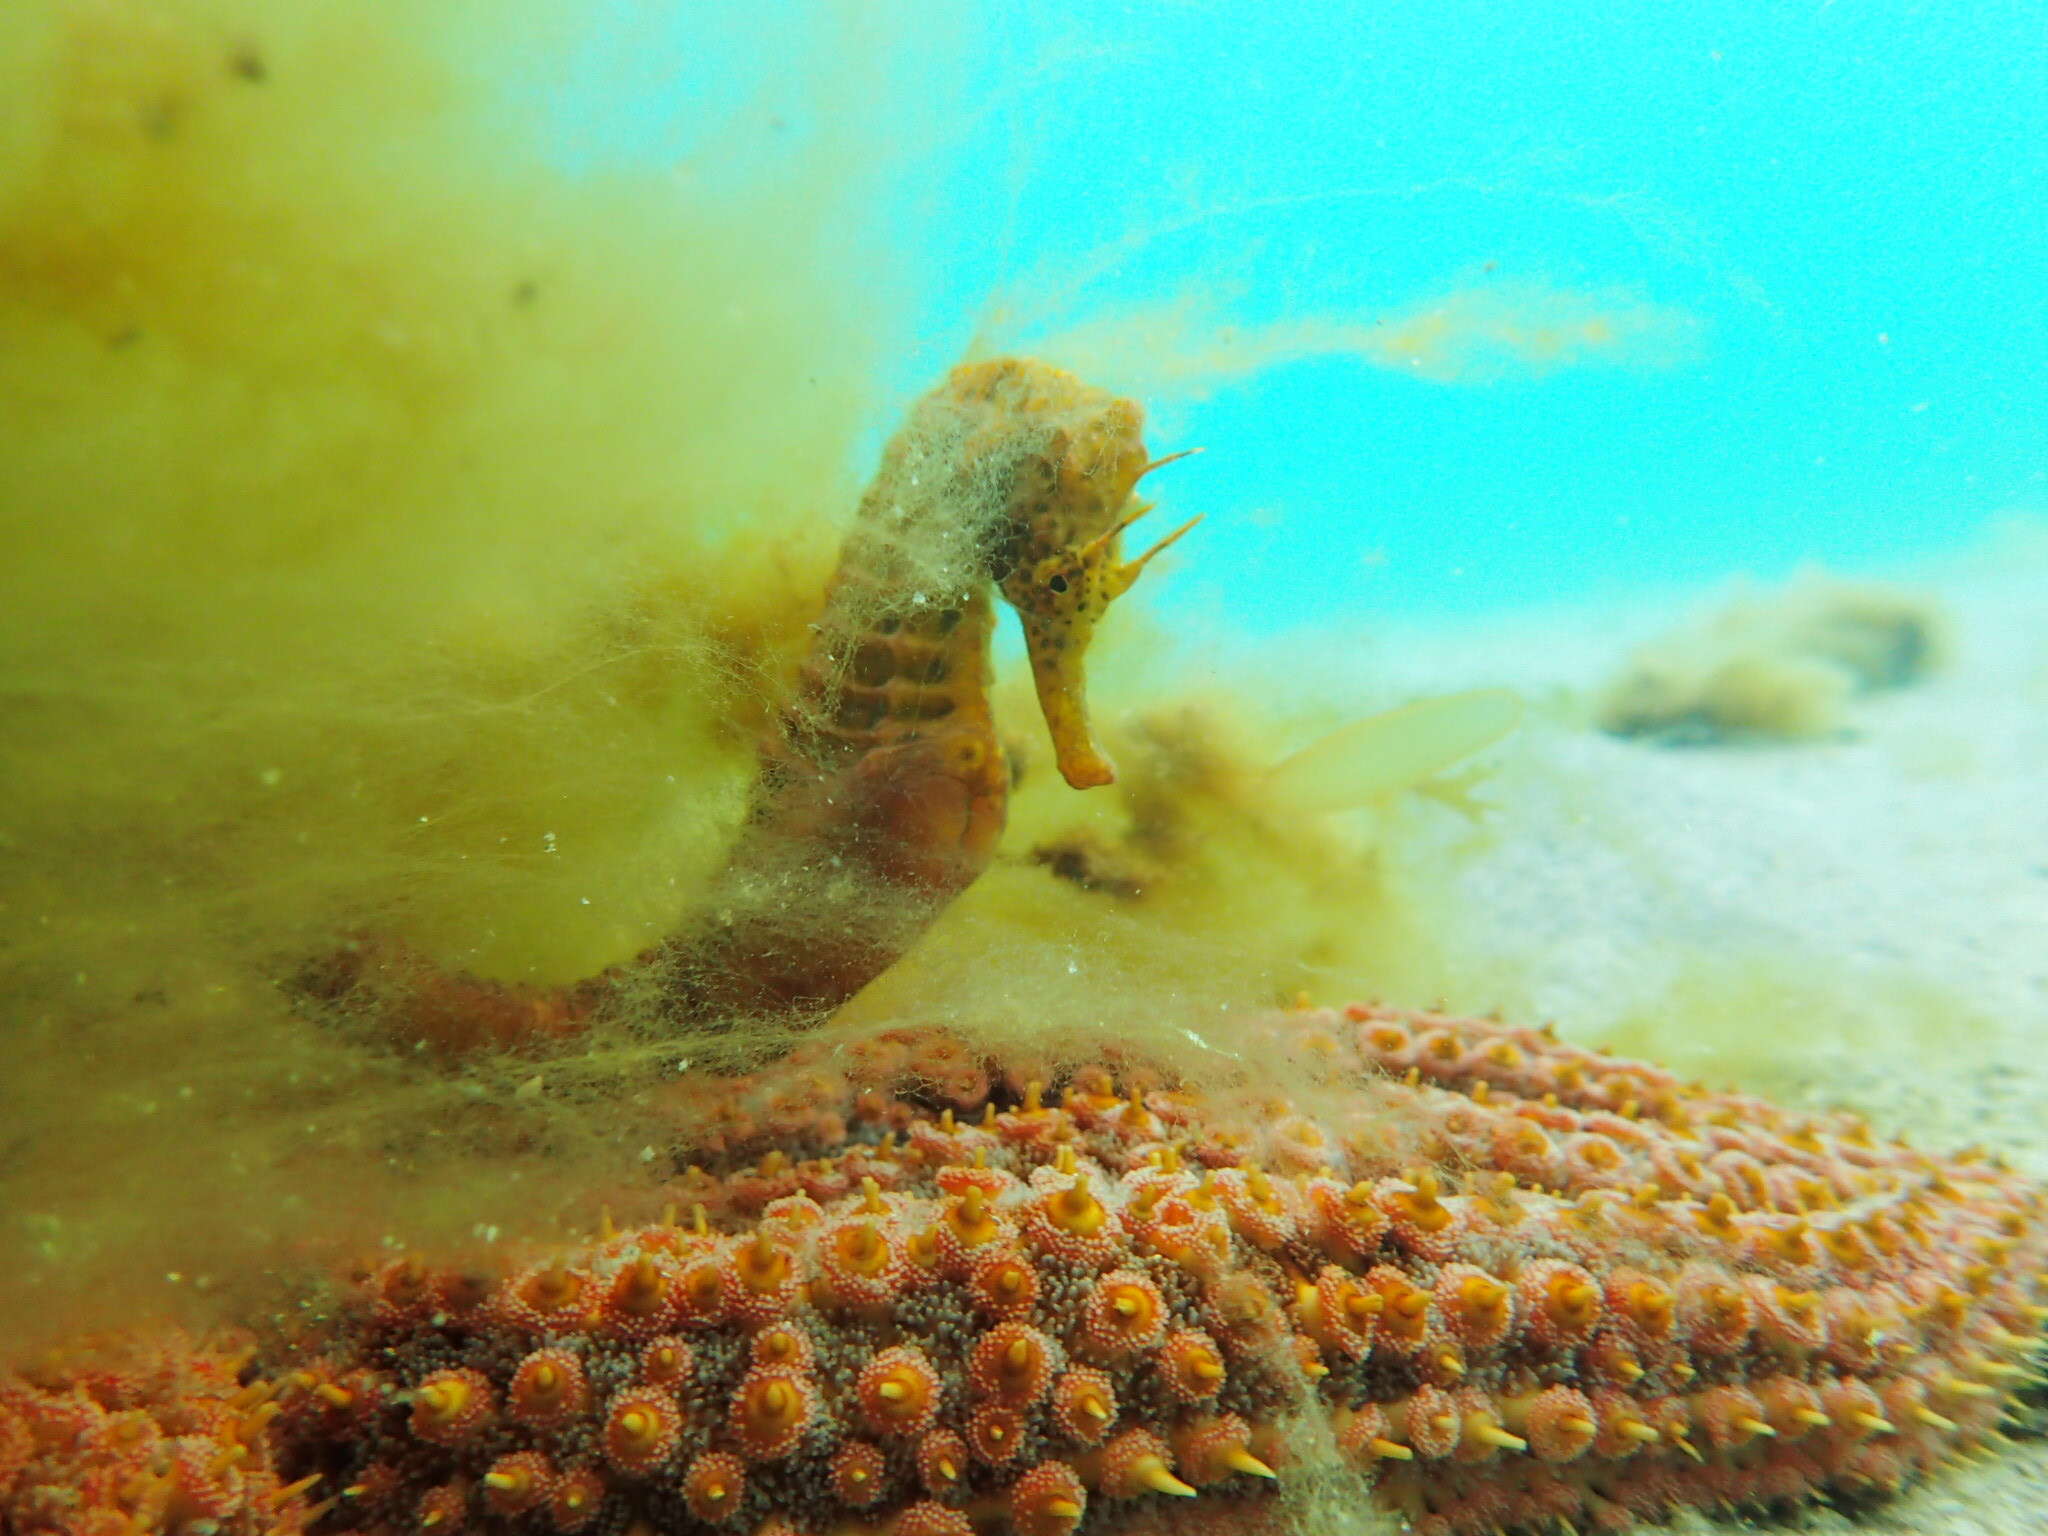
{"points": [[1908, 857]]}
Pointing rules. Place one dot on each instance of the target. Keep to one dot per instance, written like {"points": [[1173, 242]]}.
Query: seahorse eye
{"points": [[1058, 583]]}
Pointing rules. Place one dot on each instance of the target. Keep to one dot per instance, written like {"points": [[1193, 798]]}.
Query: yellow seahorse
{"points": [[883, 793]]}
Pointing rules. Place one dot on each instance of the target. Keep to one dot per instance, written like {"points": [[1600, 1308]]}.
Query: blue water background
{"points": [[1849, 200]]}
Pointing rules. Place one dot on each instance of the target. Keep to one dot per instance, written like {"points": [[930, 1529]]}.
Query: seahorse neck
{"points": [[902, 641]]}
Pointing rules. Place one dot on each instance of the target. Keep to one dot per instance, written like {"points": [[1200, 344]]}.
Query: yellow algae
{"points": [[1469, 334], [1159, 908], [403, 534], [1780, 665], [1399, 749]]}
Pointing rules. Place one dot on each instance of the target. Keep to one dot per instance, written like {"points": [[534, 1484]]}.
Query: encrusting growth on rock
{"points": [[166, 1434], [1502, 1281]]}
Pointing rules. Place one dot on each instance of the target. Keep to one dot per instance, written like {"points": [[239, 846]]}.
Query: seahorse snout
{"points": [[1057, 656], [1060, 600]]}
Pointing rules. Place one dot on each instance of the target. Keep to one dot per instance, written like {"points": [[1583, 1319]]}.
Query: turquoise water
{"points": [[1839, 210]]}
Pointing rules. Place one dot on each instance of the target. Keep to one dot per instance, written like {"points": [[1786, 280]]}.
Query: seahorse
{"points": [[883, 790]]}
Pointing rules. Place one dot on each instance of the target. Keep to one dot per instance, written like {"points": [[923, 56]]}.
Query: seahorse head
{"points": [[1058, 556]]}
